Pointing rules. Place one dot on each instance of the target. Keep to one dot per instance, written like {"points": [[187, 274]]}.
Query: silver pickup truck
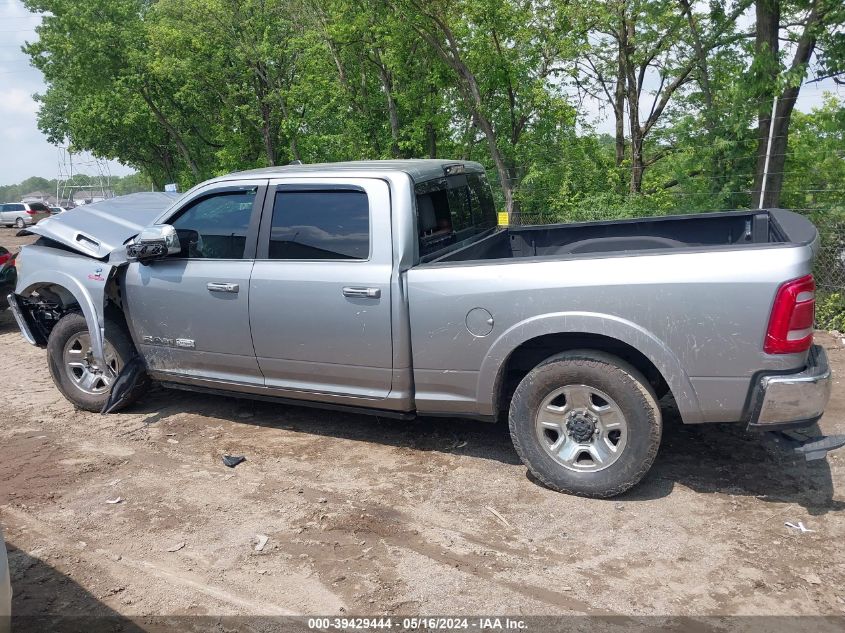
{"points": [[388, 287]]}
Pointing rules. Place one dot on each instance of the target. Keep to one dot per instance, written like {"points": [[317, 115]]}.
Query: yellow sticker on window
{"points": [[503, 218]]}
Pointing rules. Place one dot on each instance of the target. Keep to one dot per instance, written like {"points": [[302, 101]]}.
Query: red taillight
{"points": [[791, 323], [31, 212], [5, 258]]}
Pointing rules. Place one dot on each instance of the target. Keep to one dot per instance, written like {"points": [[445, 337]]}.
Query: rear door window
{"points": [[317, 224]]}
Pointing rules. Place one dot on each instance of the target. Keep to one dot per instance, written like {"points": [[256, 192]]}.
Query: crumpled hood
{"points": [[98, 229]]}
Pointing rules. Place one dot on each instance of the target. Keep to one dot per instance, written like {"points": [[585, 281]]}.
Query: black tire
{"points": [[20, 223], [631, 395], [67, 328]]}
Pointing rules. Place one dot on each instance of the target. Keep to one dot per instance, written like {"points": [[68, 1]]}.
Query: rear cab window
{"points": [[452, 210]]}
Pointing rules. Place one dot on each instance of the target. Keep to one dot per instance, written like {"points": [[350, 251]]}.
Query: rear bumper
{"points": [[787, 401]]}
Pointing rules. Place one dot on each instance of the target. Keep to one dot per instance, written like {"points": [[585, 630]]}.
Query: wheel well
{"points": [[46, 304], [532, 352]]}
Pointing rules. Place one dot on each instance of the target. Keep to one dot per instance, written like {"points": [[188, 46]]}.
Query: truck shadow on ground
{"points": [[7, 321], [45, 599], [709, 459], [726, 459]]}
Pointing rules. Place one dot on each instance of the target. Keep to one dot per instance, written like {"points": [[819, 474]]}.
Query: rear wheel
{"points": [[74, 370], [20, 223], [586, 423]]}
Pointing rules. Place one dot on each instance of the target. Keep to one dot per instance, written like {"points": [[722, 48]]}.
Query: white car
{"points": [[5, 589], [23, 214], [57, 210]]}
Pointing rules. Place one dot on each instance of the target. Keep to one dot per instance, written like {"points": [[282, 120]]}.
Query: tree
{"points": [[100, 96], [504, 57], [632, 45], [813, 30]]}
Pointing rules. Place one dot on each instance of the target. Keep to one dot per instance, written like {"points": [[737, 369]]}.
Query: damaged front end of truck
{"points": [[74, 267]]}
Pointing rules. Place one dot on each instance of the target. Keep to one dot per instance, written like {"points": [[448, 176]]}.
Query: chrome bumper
{"points": [[793, 400], [19, 317]]}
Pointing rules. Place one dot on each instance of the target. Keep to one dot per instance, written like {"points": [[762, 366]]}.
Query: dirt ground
{"points": [[373, 516]]}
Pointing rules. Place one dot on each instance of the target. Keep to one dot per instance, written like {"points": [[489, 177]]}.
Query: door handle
{"points": [[363, 293], [219, 286]]}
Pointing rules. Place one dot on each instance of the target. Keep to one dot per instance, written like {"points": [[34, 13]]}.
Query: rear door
{"points": [[190, 312], [320, 290]]}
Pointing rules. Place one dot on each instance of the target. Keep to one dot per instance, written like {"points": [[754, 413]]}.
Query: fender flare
{"points": [[587, 323], [93, 311]]}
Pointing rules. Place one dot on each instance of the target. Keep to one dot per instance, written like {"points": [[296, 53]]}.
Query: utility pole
{"points": [[768, 153]]}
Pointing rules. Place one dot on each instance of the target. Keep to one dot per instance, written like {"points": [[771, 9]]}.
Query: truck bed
{"points": [[710, 230]]}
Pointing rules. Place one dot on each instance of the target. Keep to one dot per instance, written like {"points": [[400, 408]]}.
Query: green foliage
{"points": [[188, 89], [830, 311]]}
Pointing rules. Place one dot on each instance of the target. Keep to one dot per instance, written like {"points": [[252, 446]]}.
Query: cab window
{"points": [[215, 226], [453, 209], [332, 224]]}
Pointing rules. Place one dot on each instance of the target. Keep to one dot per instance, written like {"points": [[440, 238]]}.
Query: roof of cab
{"points": [[419, 170]]}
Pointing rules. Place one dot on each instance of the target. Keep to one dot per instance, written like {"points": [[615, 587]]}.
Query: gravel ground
{"points": [[372, 516]]}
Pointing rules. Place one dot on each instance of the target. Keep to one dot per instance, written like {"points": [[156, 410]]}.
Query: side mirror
{"points": [[154, 242]]}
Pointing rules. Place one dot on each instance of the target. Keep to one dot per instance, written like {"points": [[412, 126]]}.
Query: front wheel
{"points": [[74, 370], [586, 423]]}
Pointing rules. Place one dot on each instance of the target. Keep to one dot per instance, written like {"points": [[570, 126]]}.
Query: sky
{"points": [[25, 152]]}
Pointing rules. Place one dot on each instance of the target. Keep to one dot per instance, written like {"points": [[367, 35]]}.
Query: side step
{"points": [[812, 448]]}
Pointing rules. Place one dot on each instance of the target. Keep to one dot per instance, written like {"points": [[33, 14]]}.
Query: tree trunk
{"points": [[633, 94], [768, 25], [292, 144], [386, 79], [431, 139], [717, 164], [619, 113], [174, 134], [766, 47], [472, 93], [619, 101], [267, 134]]}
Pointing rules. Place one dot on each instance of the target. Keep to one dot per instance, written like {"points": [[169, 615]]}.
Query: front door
{"points": [[190, 312], [320, 291]]}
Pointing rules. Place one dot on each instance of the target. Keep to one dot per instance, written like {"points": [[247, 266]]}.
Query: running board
{"points": [[812, 448]]}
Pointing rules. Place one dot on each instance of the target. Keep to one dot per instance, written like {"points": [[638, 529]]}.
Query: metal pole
{"points": [[768, 152]]}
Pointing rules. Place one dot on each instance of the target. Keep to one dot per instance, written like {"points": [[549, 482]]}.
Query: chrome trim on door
{"points": [[363, 293], [215, 286]]}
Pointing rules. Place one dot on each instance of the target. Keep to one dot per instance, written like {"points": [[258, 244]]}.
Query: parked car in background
{"points": [[57, 210], [21, 214], [8, 276]]}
